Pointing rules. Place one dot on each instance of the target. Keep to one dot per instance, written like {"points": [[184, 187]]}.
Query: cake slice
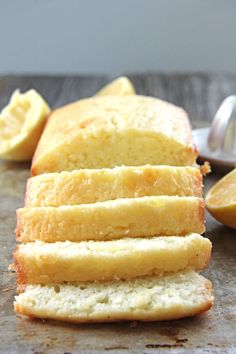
{"points": [[38, 262], [144, 299], [131, 217], [99, 185], [113, 131]]}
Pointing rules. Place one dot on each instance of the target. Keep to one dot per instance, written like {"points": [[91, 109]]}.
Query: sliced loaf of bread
{"points": [[131, 217], [144, 299], [99, 185], [38, 262]]}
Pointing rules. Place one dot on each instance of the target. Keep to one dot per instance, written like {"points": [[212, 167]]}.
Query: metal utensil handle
{"points": [[221, 122]]}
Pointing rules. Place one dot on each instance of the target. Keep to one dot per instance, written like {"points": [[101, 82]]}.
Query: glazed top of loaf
{"points": [[114, 113]]}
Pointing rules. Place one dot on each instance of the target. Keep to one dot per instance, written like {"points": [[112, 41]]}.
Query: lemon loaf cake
{"points": [[113, 131], [38, 262], [131, 217], [98, 185], [144, 299]]}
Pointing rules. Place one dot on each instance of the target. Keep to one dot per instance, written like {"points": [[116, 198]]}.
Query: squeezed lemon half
{"points": [[119, 87], [23, 119], [221, 200], [21, 124]]}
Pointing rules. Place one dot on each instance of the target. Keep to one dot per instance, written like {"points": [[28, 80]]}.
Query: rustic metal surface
{"points": [[213, 332]]}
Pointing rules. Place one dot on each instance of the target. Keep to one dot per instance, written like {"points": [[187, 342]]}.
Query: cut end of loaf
{"points": [[128, 217], [146, 299], [59, 262], [97, 185]]}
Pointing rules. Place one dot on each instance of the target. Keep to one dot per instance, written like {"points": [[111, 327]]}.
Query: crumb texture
{"points": [[98, 185], [59, 262], [115, 131], [131, 217], [150, 298]]}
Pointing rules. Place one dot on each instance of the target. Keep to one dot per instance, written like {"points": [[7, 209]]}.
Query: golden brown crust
{"points": [[18, 227], [129, 317], [27, 192], [38, 263], [208, 259], [35, 156], [198, 311], [194, 295], [19, 269], [68, 126], [98, 185], [210, 291], [134, 217], [20, 288], [202, 213], [199, 185]]}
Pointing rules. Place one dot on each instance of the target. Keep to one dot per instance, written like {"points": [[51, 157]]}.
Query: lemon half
{"points": [[122, 86], [21, 124], [221, 200]]}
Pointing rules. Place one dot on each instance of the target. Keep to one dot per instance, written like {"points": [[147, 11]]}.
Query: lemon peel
{"points": [[221, 200], [21, 124], [121, 86]]}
